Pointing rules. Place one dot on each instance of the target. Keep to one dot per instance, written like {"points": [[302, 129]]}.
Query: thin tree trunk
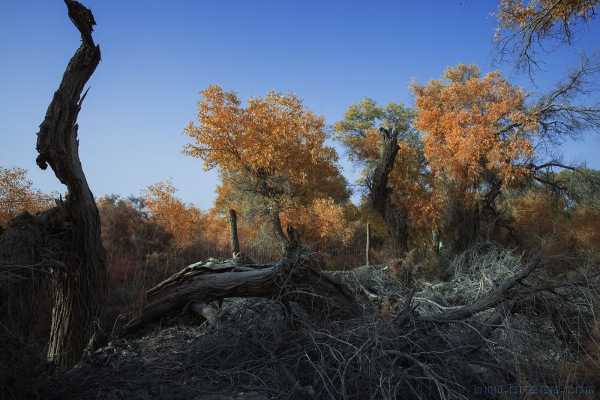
{"points": [[233, 233], [80, 287], [368, 249]]}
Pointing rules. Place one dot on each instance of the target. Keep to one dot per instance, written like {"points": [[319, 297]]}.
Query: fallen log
{"points": [[297, 277]]}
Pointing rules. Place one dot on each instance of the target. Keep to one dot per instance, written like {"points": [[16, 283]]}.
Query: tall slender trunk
{"points": [[368, 247], [233, 233]]}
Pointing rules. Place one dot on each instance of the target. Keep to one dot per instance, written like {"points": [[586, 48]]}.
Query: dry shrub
{"points": [[26, 248], [124, 270], [21, 338], [384, 312], [585, 370], [412, 271]]}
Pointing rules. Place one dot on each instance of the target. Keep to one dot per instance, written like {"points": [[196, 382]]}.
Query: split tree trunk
{"points": [[80, 287], [379, 193], [278, 231]]}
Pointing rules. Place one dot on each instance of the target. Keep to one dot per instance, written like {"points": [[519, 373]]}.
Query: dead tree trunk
{"points": [[379, 193], [296, 277], [79, 287]]}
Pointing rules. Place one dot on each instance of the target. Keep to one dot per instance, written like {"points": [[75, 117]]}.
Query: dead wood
{"points": [[499, 294], [80, 289], [540, 332], [66, 240], [297, 277]]}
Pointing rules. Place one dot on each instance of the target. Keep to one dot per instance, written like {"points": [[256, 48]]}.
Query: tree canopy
{"points": [[525, 28], [17, 194], [273, 150], [475, 129]]}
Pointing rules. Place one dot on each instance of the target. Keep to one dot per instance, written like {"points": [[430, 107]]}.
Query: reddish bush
{"points": [[124, 270]]}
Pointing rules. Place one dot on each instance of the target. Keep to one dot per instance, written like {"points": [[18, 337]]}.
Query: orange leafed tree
{"points": [[477, 138], [544, 15], [474, 128], [324, 221], [523, 27], [17, 195], [272, 151], [181, 220]]}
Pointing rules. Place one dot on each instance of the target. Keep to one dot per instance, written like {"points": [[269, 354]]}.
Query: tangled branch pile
{"points": [[501, 321]]}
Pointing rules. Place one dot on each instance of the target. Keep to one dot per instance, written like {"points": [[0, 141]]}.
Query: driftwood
{"points": [[297, 277]]}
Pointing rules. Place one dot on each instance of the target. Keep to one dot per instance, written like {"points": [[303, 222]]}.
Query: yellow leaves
{"points": [[271, 154], [574, 225], [17, 195]]}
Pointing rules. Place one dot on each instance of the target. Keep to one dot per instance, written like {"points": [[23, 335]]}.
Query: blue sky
{"points": [[157, 55]]}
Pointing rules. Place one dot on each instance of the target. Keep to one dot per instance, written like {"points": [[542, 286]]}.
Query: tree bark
{"points": [[379, 193], [368, 247], [80, 287], [233, 233], [296, 277], [278, 231]]}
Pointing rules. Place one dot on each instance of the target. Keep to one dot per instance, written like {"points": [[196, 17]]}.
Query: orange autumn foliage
{"points": [[514, 14], [542, 217], [584, 230], [272, 135], [271, 154], [324, 222], [527, 29], [539, 216], [179, 219], [474, 128], [18, 195]]}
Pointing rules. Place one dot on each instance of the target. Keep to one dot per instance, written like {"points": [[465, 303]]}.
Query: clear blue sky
{"points": [[157, 55]]}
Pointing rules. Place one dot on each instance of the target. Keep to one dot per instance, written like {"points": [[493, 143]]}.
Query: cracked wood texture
{"points": [[80, 287], [379, 192], [296, 277]]}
